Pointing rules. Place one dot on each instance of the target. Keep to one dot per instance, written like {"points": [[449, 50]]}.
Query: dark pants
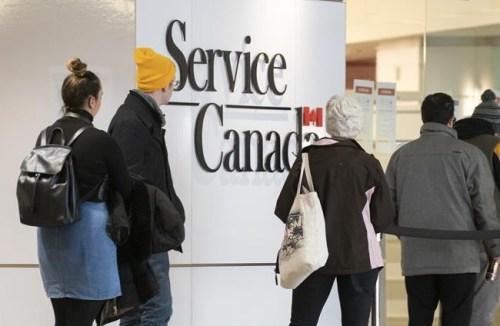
{"points": [[355, 296], [74, 312], [454, 291]]}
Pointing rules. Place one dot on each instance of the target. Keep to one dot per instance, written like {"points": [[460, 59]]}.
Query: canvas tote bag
{"points": [[304, 247]]}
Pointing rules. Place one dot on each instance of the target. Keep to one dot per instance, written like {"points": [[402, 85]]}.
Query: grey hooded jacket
{"points": [[489, 111]]}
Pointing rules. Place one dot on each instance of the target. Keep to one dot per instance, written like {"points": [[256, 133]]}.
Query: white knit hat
{"points": [[344, 117]]}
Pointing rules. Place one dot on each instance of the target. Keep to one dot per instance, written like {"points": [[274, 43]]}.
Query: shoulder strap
{"points": [[47, 138], [308, 172], [77, 133], [97, 189], [43, 137], [305, 168]]}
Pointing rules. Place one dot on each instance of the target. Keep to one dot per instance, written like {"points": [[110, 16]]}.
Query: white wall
{"points": [[464, 71], [389, 19], [230, 214], [38, 38], [460, 65]]}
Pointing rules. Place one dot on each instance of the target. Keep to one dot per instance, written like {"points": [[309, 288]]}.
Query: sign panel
{"points": [[386, 117], [244, 87], [254, 78], [364, 93]]}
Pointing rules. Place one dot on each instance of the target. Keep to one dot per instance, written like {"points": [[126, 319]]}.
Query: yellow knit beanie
{"points": [[154, 71]]}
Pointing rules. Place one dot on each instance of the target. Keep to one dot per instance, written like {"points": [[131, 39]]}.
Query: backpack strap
{"points": [[96, 190], [102, 182], [43, 137], [77, 133], [47, 138]]}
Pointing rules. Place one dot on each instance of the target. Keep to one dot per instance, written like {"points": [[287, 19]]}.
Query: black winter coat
{"points": [[149, 215], [136, 127]]}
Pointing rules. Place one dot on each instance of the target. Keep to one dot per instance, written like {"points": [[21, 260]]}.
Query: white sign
{"points": [[386, 117], [363, 92], [244, 67]]}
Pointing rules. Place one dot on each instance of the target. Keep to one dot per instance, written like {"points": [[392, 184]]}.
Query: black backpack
{"points": [[47, 190]]}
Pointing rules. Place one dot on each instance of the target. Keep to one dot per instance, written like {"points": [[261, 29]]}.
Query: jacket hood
{"points": [[342, 142], [471, 127], [488, 105], [435, 128]]}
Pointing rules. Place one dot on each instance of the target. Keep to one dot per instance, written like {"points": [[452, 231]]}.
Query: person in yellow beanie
{"points": [[154, 71], [137, 127]]}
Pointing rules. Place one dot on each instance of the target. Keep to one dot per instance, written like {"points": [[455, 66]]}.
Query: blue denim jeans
{"points": [[157, 310]]}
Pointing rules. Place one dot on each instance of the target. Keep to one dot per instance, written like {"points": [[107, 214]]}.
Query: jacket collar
{"points": [[346, 142], [148, 111], [472, 127], [82, 115], [434, 128]]}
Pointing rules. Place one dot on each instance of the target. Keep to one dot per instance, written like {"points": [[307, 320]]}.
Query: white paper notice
{"points": [[386, 117], [363, 92]]}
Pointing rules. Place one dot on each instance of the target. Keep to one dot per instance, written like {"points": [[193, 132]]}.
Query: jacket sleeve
{"points": [[130, 133], [168, 232], [481, 190], [381, 208], [287, 194], [117, 169], [496, 168], [390, 177], [118, 225], [141, 210]]}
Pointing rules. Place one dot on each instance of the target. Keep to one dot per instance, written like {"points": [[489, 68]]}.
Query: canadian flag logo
{"points": [[312, 116]]}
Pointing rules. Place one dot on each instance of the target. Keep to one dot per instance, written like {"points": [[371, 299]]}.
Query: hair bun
{"points": [[77, 67]]}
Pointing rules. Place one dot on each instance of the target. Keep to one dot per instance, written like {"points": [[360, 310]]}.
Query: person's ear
{"points": [[92, 102], [451, 122]]}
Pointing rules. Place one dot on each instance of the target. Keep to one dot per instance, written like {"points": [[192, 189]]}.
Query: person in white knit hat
{"points": [[356, 204], [344, 117]]}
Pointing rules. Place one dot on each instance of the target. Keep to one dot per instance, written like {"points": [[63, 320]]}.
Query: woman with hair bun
{"points": [[78, 261]]}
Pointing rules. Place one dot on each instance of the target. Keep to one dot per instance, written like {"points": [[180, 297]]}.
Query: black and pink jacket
{"points": [[355, 198]]}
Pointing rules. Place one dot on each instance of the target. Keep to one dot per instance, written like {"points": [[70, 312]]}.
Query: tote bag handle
{"points": [[305, 167]]}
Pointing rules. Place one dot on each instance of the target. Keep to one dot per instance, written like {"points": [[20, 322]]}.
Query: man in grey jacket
{"points": [[438, 182]]}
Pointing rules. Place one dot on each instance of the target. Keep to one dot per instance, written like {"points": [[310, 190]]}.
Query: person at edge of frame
{"points": [[438, 182]]}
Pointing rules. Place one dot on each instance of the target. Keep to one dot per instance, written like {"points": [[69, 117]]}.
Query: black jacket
{"points": [[489, 111], [136, 127], [344, 176], [149, 216], [130, 226], [480, 132]]}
